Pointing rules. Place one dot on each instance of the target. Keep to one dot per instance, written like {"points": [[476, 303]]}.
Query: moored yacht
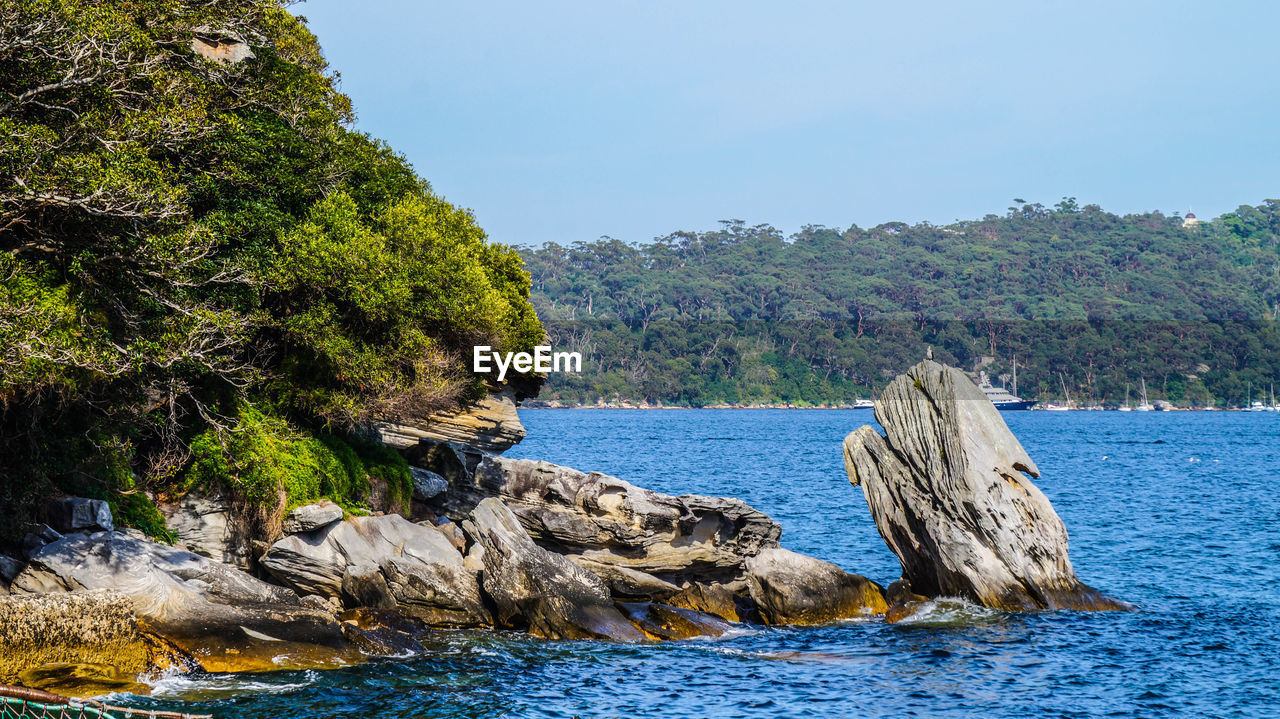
{"points": [[1002, 398]]}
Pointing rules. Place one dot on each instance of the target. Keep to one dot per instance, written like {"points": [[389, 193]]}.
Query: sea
{"points": [[1175, 512]]}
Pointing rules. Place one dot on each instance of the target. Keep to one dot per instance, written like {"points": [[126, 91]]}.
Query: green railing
{"points": [[22, 703]]}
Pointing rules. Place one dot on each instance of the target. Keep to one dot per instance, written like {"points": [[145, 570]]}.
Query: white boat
{"points": [[864, 404], [1145, 406], [1257, 405], [1002, 398], [1125, 407], [1063, 381]]}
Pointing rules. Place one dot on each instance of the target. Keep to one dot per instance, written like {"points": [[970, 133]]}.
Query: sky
{"points": [[567, 121]]}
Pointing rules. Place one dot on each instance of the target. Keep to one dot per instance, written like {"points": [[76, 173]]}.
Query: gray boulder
{"points": [[217, 616], [381, 562], [631, 537], [537, 590], [427, 484], [791, 588], [311, 517], [314, 563], [948, 488], [78, 514], [715, 599]]}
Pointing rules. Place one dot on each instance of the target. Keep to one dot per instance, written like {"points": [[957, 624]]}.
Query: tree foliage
{"points": [[183, 235]]}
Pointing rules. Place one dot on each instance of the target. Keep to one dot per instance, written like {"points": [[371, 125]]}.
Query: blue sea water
{"points": [[1175, 512]]}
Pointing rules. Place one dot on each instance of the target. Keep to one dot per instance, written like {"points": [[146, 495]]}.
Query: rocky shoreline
{"points": [[490, 542]]}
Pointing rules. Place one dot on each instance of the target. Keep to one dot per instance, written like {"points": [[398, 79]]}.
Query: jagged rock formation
{"points": [[492, 425], [642, 543], [790, 588], [538, 590], [947, 489]]}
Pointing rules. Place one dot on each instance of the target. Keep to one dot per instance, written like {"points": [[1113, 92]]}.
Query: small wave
{"points": [[950, 612], [737, 631]]}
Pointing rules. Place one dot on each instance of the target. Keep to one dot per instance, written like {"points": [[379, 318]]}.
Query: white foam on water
{"points": [[734, 632], [951, 611], [206, 686]]}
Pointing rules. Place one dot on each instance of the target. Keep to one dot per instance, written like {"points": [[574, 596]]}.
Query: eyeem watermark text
{"points": [[542, 360]]}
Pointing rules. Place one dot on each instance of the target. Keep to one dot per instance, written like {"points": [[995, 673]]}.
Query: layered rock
{"points": [[492, 425], [948, 490], [438, 594], [217, 616], [791, 588], [537, 590], [382, 562], [643, 543]]}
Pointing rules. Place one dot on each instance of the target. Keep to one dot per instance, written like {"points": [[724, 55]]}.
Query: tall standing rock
{"points": [[947, 489]]}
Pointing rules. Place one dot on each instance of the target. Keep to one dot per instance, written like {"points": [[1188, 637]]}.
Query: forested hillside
{"points": [[1080, 296], [209, 279]]}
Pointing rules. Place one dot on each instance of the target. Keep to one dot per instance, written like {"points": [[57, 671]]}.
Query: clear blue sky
{"points": [[565, 121]]}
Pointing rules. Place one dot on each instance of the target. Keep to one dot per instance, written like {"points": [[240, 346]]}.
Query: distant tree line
{"points": [[1084, 299]]}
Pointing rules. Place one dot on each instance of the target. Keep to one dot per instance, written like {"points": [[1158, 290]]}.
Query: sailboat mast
{"points": [[1015, 376]]}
